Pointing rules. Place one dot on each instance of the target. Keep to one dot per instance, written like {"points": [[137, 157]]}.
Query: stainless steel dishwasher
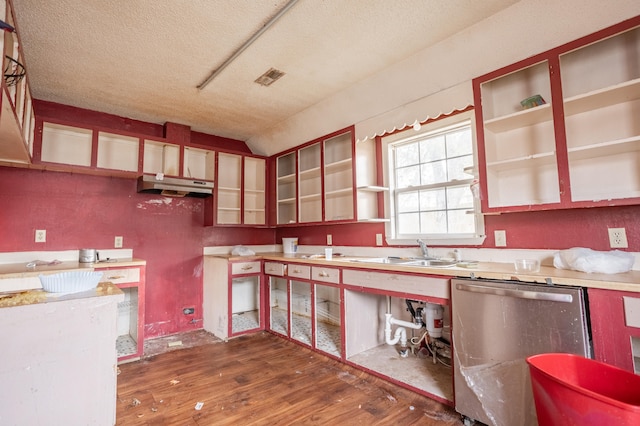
{"points": [[495, 326]]}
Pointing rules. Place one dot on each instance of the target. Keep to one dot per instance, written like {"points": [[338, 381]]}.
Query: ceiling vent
{"points": [[269, 77]]}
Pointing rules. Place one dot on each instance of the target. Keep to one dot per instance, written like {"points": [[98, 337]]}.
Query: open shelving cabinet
{"points": [[581, 147]]}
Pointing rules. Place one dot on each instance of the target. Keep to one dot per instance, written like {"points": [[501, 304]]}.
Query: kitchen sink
{"points": [[431, 263]]}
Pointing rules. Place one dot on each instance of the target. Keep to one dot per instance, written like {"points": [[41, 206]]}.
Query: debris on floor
{"points": [[135, 402], [174, 382]]}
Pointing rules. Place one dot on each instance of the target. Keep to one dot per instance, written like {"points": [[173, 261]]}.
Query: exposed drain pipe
{"points": [[247, 43], [401, 333]]}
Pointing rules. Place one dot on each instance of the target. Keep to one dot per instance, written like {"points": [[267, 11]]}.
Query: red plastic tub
{"points": [[573, 390]]}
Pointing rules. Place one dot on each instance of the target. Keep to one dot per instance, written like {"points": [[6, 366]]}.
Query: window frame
{"points": [[432, 126]]}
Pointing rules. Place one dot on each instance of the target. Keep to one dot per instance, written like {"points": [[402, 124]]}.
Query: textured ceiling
{"points": [[144, 59]]}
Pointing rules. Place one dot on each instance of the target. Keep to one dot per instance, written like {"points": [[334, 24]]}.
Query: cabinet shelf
{"points": [[310, 172], [228, 189], [535, 160], [338, 193], [287, 201], [373, 188], [310, 197], [338, 165], [603, 149], [287, 178], [527, 117], [623, 92]]}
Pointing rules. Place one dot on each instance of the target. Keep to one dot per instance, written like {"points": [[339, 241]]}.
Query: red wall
{"points": [[84, 211], [553, 229]]}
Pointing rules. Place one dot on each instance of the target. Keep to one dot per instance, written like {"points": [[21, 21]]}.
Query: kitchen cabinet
{"points": [[305, 305], [369, 182], [16, 109], [574, 146], [240, 190], [131, 310], [232, 297], [286, 189], [59, 350], [161, 157], [278, 293], [198, 163], [315, 182], [615, 327], [368, 296]]}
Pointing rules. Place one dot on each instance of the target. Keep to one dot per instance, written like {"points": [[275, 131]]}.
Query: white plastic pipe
{"points": [[401, 333]]}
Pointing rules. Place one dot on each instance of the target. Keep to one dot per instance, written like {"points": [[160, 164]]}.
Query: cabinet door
{"points": [[615, 326], [228, 187], [254, 212]]}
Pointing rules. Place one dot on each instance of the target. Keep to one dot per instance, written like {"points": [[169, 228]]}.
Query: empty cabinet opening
{"points": [[127, 342]]}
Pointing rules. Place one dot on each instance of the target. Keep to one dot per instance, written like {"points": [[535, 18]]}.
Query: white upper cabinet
{"points": [[17, 122], [559, 130], [315, 182]]}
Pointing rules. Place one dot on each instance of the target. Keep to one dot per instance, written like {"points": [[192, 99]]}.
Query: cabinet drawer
{"points": [[121, 276], [329, 275], [632, 311], [420, 285], [298, 271], [273, 268], [245, 268]]}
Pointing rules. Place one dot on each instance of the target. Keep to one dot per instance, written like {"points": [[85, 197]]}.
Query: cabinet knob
{"points": [[296, 271], [323, 274], [247, 268], [115, 277]]}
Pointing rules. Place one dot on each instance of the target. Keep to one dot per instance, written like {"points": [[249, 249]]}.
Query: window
{"points": [[430, 175]]}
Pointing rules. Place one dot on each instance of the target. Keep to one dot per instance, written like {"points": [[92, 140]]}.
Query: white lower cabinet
{"points": [[368, 296], [303, 308], [231, 297]]}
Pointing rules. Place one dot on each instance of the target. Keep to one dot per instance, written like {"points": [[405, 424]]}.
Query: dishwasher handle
{"points": [[520, 294]]}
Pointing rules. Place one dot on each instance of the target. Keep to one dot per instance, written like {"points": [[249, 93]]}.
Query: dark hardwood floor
{"points": [[262, 379]]}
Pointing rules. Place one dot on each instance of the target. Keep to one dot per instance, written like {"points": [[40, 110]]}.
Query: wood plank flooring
{"points": [[261, 379]]}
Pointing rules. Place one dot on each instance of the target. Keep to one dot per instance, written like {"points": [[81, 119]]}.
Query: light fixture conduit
{"points": [[247, 43]]}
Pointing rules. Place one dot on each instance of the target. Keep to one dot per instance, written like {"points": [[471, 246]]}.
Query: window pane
{"points": [[432, 149], [456, 167], [434, 199], [409, 223], [459, 197], [433, 222], [408, 202], [461, 223], [459, 143], [407, 155], [435, 172], [408, 176]]}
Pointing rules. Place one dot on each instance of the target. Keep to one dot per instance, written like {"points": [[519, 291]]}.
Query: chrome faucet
{"points": [[424, 248]]}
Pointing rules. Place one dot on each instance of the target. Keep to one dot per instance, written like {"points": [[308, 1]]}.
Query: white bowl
{"points": [[70, 282], [527, 265]]}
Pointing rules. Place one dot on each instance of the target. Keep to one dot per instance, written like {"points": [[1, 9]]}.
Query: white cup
{"points": [[328, 253]]}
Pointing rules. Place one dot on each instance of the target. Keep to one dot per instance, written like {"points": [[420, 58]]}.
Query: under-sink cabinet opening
{"points": [[419, 368]]}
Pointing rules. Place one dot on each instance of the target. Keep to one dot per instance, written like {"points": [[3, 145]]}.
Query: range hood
{"points": [[174, 187]]}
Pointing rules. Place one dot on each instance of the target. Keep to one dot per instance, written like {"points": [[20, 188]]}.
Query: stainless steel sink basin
{"points": [[432, 263], [388, 260]]}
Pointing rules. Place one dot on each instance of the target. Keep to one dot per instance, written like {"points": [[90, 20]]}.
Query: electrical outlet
{"points": [[500, 237], [618, 238], [41, 235], [117, 242], [329, 239], [378, 239]]}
